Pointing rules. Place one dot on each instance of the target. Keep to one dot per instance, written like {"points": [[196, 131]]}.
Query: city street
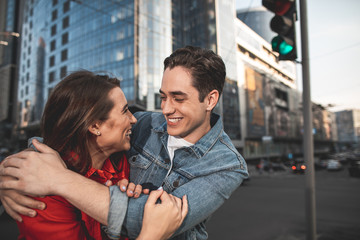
{"points": [[271, 206]]}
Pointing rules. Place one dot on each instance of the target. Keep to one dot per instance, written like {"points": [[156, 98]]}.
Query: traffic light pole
{"points": [[308, 135]]}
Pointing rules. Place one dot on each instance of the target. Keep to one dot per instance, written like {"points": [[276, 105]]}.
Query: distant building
{"points": [[10, 16], [127, 39], [348, 124], [258, 19]]}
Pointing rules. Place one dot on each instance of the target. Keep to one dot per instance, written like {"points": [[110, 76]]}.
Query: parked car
{"points": [[298, 167], [354, 169], [334, 165]]}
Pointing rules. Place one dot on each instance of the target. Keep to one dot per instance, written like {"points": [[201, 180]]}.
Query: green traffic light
{"points": [[281, 46]]}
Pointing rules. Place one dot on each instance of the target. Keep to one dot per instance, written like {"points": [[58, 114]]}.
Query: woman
{"points": [[87, 120]]}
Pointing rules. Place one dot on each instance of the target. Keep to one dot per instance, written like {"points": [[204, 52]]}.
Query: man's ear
{"points": [[95, 128], [212, 99]]}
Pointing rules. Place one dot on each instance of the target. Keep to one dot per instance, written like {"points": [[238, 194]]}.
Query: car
{"points": [[354, 169], [334, 165], [298, 167]]}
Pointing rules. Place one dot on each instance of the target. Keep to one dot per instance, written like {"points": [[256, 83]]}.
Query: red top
{"points": [[61, 220]]}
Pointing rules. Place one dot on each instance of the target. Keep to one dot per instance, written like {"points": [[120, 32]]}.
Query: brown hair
{"points": [[206, 68], [78, 101]]}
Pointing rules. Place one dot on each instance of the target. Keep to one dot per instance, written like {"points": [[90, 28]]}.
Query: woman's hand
{"points": [[161, 220], [131, 189]]}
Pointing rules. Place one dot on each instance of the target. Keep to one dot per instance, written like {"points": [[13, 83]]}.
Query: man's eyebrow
{"points": [[124, 108], [174, 93]]}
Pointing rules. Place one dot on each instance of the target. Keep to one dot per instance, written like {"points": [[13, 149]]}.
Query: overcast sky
{"points": [[334, 43]]}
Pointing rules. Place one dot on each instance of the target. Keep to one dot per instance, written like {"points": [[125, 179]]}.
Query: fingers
{"points": [[146, 191], [134, 190], [108, 183], [10, 171], [42, 147], [12, 213], [123, 183], [185, 207], [154, 196]]}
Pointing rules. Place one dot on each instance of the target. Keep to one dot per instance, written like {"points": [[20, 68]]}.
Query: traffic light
{"points": [[283, 23]]}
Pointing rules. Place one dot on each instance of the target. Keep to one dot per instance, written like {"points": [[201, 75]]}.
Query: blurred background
{"points": [[41, 41]]}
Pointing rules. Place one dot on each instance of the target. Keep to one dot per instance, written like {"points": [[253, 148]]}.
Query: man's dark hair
{"points": [[206, 68]]}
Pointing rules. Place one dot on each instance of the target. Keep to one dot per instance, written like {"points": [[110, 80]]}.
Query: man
{"points": [[184, 150]]}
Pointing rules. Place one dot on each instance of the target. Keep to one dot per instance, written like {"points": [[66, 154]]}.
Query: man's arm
{"points": [[52, 178]]}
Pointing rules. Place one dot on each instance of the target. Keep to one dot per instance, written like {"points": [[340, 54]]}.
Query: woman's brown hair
{"points": [[77, 102]]}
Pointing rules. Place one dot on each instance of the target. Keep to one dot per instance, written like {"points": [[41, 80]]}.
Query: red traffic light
{"points": [[279, 7]]}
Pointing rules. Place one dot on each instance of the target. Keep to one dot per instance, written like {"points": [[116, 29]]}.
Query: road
{"points": [[272, 207]]}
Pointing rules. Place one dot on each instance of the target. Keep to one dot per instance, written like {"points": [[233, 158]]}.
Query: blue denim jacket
{"points": [[207, 172]]}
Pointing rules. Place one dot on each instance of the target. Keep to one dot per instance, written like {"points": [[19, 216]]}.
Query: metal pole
{"points": [[308, 135]]}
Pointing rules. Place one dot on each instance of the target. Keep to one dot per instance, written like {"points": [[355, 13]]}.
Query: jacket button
{"points": [[176, 183], [167, 161], [133, 159]]}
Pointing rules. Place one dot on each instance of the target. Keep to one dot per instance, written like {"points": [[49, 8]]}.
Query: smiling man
{"points": [[184, 150]]}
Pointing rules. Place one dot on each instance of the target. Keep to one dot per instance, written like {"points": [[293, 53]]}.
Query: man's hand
{"points": [[34, 173], [161, 220], [16, 203]]}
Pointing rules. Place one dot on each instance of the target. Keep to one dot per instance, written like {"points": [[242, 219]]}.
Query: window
{"points": [[64, 55], [53, 30], [65, 38], [26, 90], [51, 77], [28, 63], [27, 77], [29, 50], [65, 22], [30, 24], [52, 45], [63, 71], [52, 61], [30, 37], [54, 2], [66, 6], [54, 15]]}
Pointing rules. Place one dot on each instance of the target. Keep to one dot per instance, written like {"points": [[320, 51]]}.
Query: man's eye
{"points": [[179, 99], [162, 98]]}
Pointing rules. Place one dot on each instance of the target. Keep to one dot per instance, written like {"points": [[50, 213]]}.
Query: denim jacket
{"points": [[207, 172]]}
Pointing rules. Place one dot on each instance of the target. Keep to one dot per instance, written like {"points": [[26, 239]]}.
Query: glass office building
{"points": [[127, 39]]}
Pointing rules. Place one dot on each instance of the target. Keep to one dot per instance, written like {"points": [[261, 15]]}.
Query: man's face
{"points": [[185, 115]]}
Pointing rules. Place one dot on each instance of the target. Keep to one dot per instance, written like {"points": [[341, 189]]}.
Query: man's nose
{"points": [[167, 107]]}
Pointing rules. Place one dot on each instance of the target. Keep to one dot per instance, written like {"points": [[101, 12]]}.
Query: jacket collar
{"points": [[201, 147]]}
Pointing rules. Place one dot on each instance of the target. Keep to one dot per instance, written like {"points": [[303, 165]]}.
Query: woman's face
{"points": [[115, 131]]}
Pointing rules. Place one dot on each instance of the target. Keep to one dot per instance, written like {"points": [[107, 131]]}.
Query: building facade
{"points": [[10, 22], [127, 39], [348, 124], [261, 106]]}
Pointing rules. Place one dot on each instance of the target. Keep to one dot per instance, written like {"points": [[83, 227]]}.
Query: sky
{"points": [[334, 50]]}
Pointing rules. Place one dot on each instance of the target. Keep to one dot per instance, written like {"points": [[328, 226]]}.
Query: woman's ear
{"points": [[95, 129], [212, 99]]}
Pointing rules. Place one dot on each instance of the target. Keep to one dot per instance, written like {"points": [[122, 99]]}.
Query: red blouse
{"points": [[61, 220]]}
